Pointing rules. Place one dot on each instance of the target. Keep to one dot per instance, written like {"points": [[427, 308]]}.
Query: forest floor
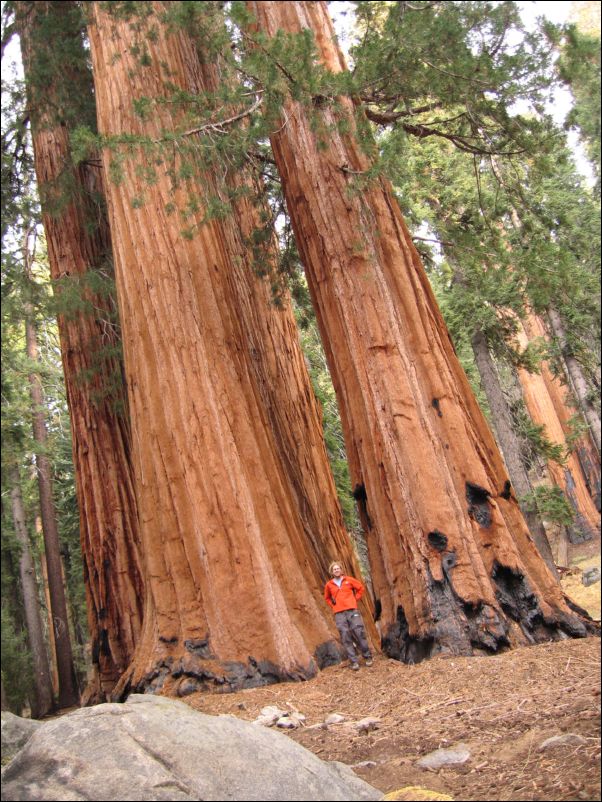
{"points": [[501, 707]]}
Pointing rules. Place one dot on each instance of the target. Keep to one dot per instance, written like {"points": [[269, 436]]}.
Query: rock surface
{"points": [[367, 724], [455, 755], [567, 739], [334, 718], [591, 576], [154, 748], [16, 731]]}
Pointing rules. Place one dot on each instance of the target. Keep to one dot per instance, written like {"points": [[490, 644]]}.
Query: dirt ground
{"points": [[501, 707]]}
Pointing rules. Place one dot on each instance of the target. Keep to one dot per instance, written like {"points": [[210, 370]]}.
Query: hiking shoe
{"points": [[354, 666], [369, 661]]}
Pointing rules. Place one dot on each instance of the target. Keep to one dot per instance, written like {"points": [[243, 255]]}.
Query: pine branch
{"points": [[386, 117], [422, 131], [218, 126], [266, 52]]}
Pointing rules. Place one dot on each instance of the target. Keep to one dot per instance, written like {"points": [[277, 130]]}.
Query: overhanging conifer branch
{"points": [[422, 131], [218, 127]]}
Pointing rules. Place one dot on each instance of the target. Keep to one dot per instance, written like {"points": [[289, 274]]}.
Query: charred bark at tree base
{"points": [[461, 628], [432, 490], [201, 671], [238, 510]]}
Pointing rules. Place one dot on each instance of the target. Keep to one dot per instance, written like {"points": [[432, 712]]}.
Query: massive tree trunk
{"points": [[508, 441], [274, 353], [452, 560], [546, 403], [42, 703], [234, 577], [79, 253]]}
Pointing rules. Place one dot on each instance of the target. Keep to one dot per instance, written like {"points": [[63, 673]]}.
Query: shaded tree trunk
{"points": [[542, 398], [508, 441], [51, 637], [79, 251], [68, 695], [233, 594], [43, 701], [588, 410], [452, 560]]}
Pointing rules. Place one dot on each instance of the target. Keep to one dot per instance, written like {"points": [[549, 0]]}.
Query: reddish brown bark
{"points": [[51, 638], [78, 242], [452, 560], [280, 371], [546, 401], [234, 574], [586, 448]]}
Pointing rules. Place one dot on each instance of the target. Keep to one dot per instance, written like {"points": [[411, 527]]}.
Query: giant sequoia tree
{"points": [[452, 560], [511, 244], [235, 542], [59, 89], [207, 528]]}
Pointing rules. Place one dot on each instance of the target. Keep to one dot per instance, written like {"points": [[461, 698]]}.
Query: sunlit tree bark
{"points": [[233, 574], [588, 449], [452, 560]]}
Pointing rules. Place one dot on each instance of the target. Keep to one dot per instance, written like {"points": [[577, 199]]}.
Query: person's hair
{"points": [[332, 565]]}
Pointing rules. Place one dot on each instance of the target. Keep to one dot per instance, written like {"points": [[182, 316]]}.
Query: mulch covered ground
{"points": [[501, 707]]}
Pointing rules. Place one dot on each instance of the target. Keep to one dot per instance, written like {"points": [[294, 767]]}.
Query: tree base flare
{"points": [[200, 671], [461, 628]]}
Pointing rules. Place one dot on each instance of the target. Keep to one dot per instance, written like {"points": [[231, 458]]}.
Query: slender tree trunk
{"points": [[79, 251], [68, 695], [509, 442], [233, 595], [588, 453], [452, 559], [541, 394], [577, 379], [43, 702], [51, 638], [562, 550]]}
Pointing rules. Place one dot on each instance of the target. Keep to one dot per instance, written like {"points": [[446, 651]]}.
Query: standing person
{"points": [[342, 593]]}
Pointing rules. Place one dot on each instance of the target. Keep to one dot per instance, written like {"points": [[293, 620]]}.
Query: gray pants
{"points": [[352, 632]]}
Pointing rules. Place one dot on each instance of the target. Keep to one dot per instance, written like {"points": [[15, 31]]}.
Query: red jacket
{"points": [[345, 597]]}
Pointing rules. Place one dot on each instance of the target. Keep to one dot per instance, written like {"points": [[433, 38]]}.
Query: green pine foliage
{"points": [[17, 671], [322, 385], [22, 297], [550, 504], [580, 70]]}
